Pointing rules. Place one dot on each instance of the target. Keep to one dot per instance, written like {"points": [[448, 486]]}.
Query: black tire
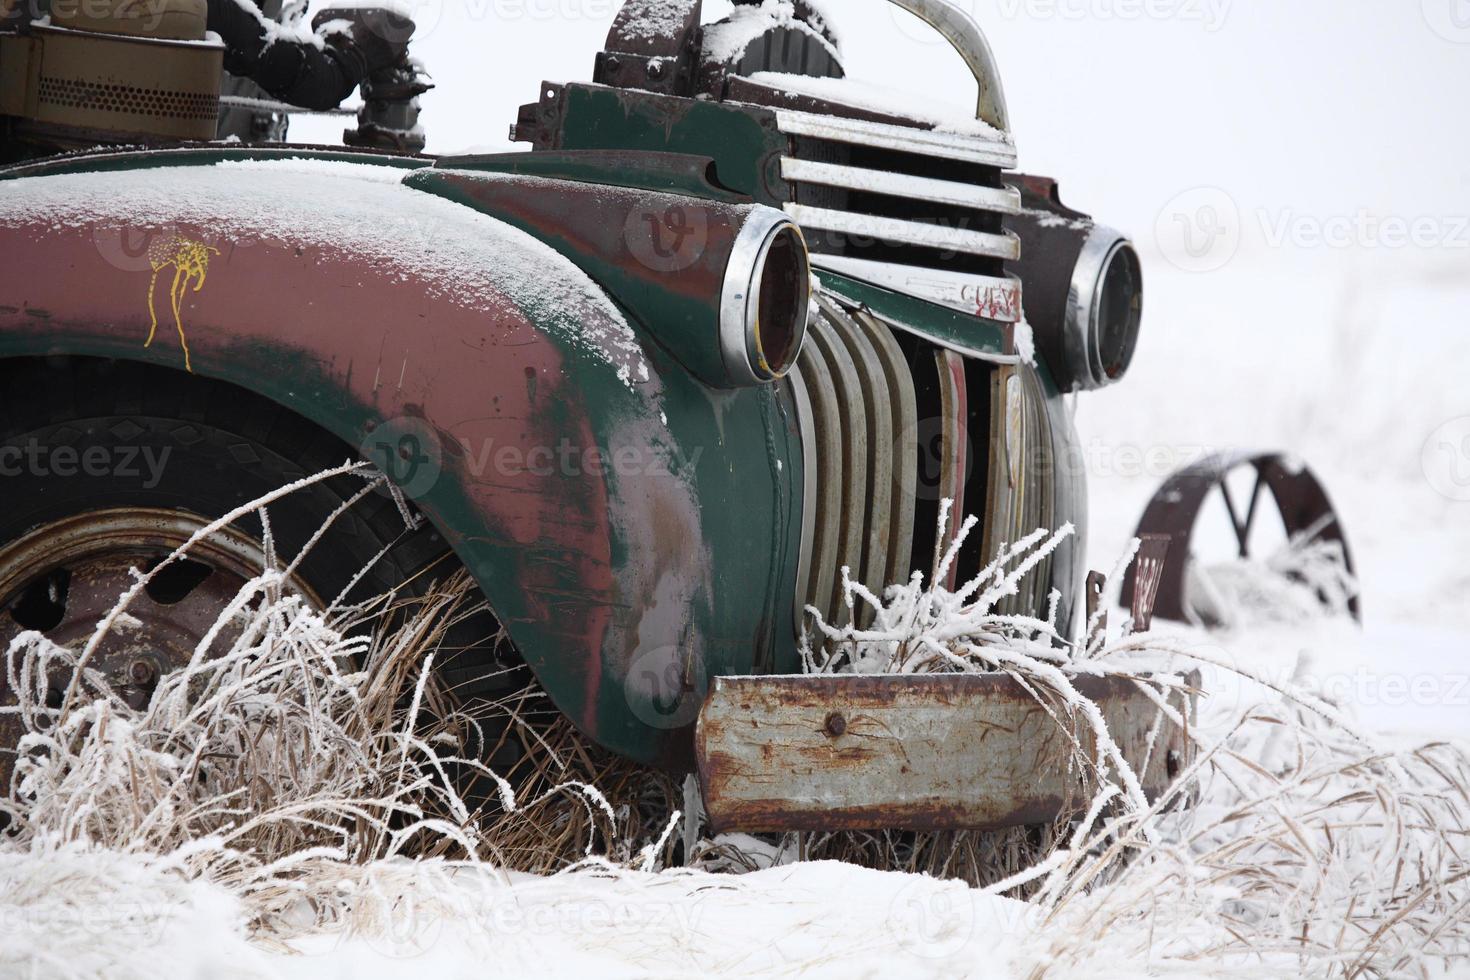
{"points": [[177, 441], [191, 444]]}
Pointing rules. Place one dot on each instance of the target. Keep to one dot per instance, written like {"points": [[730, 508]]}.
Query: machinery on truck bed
{"points": [[726, 329]]}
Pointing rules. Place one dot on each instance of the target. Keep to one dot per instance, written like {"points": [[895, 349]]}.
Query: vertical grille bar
{"points": [[877, 508], [826, 421], [954, 397], [858, 413], [852, 424], [903, 400], [1020, 498]]}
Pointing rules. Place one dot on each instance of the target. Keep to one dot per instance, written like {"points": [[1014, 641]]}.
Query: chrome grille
{"points": [[859, 420], [1020, 497], [912, 209], [981, 435]]}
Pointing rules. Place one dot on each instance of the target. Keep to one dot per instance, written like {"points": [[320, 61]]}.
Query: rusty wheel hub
{"points": [[62, 579]]}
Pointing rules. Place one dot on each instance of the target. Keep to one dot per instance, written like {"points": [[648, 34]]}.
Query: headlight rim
{"points": [[1102, 247], [741, 346]]}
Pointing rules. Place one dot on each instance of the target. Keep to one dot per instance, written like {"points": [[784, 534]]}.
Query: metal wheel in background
{"points": [[1228, 499]]}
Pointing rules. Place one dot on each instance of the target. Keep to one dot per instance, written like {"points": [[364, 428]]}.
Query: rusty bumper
{"points": [[931, 753]]}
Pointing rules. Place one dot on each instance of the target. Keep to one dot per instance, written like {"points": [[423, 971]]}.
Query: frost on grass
{"points": [[1300, 581], [302, 786], [312, 770], [1292, 846]]}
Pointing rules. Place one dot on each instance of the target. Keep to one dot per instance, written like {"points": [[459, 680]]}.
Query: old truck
{"points": [[725, 329]]}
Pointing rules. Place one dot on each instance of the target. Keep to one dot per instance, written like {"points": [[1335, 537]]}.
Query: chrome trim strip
{"points": [[853, 480], [991, 151], [978, 354], [966, 37], [806, 425], [953, 467], [902, 397], [827, 425], [1020, 496], [877, 506], [1004, 200], [983, 296], [1006, 246]]}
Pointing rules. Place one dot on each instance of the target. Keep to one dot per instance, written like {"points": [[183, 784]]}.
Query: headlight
{"points": [[766, 299], [1082, 288], [1104, 308]]}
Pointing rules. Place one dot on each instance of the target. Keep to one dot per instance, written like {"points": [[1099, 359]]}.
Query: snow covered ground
{"points": [[1352, 357], [1354, 372]]}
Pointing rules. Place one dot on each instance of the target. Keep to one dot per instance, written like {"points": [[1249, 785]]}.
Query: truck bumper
{"points": [[923, 753]]}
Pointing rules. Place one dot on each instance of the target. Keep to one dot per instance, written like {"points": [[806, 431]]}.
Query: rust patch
{"points": [[932, 753]]}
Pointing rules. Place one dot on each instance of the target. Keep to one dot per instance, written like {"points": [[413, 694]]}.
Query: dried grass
{"points": [[319, 775], [1302, 847], [299, 764]]}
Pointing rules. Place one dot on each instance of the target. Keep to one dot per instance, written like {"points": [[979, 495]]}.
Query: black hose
{"points": [[315, 72]]}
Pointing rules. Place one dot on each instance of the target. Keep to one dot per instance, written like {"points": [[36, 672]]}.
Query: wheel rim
{"points": [[63, 578], [1275, 481]]}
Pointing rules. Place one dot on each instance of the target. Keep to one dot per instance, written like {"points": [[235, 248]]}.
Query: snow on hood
{"points": [[877, 98], [463, 256], [726, 41], [660, 19]]}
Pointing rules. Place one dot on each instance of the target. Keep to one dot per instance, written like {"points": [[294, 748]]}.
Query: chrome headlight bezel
{"points": [[1102, 324], [768, 276]]}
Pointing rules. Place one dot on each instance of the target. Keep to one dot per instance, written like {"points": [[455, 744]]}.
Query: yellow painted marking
{"points": [[190, 262]]}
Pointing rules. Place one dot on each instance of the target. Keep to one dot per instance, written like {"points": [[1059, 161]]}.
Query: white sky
{"points": [[1323, 107]]}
